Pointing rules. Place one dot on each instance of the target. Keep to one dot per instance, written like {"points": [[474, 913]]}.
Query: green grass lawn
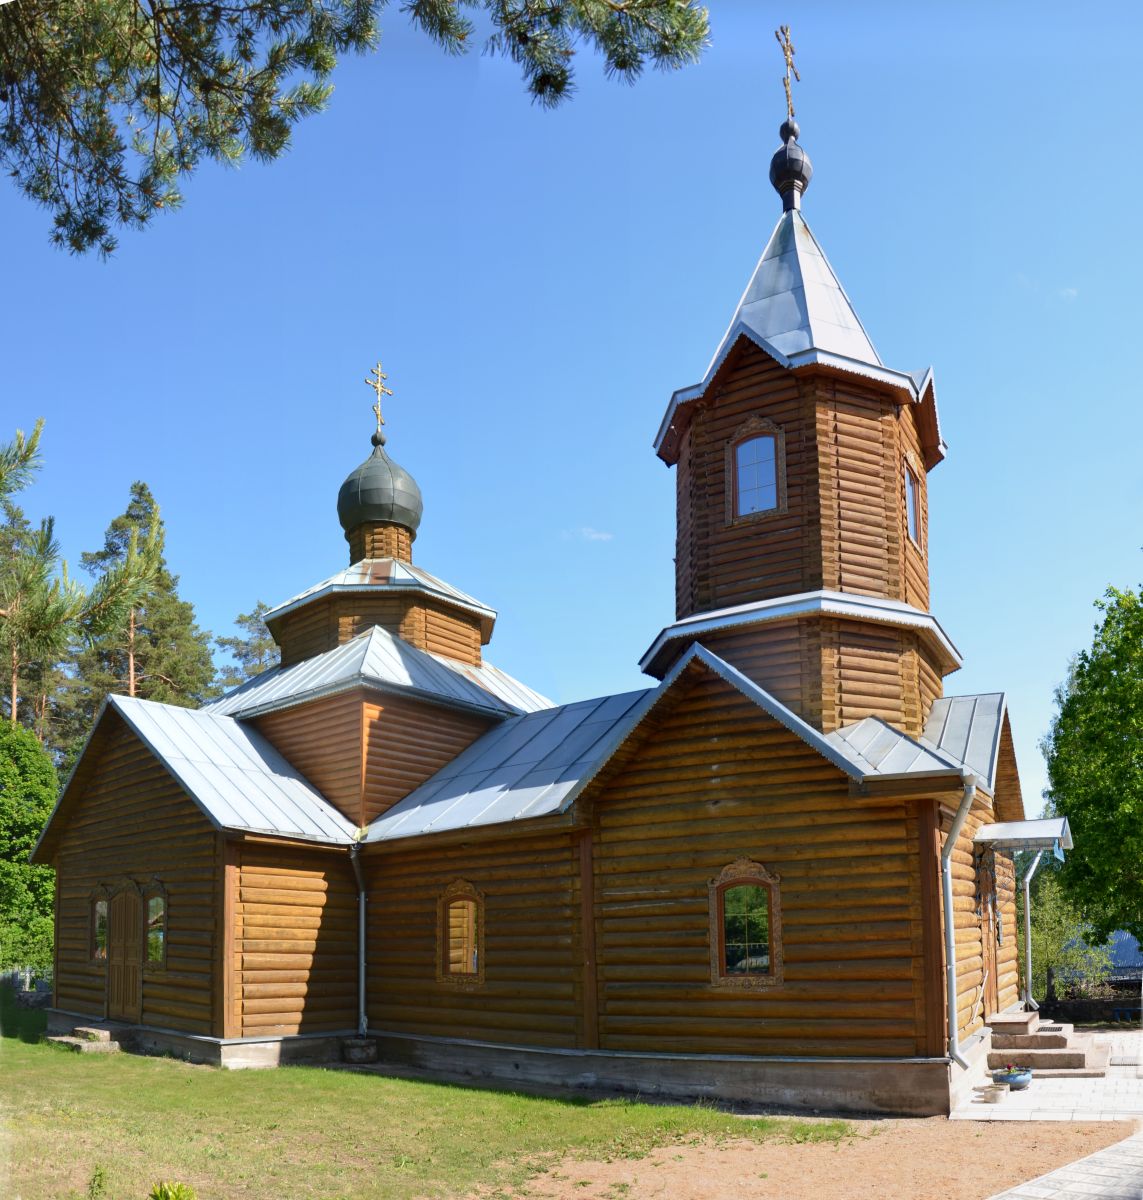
{"points": [[303, 1131]]}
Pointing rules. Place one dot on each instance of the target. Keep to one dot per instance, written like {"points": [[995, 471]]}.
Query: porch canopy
{"points": [[1051, 833]]}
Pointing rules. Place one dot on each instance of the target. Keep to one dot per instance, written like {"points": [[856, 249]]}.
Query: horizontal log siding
{"points": [[1009, 799], [915, 558], [1008, 967], [306, 631], [720, 563], [530, 936], [966, 920], [323, 740], [406, 742], [774, 656], [295, 942], [132, 820], [716, 781], [452, 633], [380, 539], [863, 675], [929, 681], [357, 613]]}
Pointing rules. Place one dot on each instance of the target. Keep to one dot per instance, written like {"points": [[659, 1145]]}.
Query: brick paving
{"points": [[1112, 1174]]}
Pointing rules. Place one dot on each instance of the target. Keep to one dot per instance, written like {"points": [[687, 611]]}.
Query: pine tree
{"points": [[157, 652], [253, 652]]}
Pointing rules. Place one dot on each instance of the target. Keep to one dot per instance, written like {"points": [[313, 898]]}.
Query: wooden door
{"points": [[125, 957], [986, 906]]}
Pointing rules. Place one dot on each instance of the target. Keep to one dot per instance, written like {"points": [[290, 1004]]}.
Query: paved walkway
{"points": [[1112, 1174]]}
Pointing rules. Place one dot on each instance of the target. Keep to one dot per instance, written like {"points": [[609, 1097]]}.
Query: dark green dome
{"points": [[379, 490]]}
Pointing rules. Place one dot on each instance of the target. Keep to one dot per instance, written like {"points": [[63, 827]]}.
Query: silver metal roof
{"points": [[829, 603], [375, 575], [1046, 834], [967, 729], [880, 751], [536, 765], [378, 658], [237, 778]]}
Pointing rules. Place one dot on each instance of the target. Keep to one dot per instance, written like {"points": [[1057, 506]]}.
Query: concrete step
{"points": [[1095, 1066], [92, 1033], [1037, 1059], [1045, 1037], [1013, 1022], [84, 1045]]}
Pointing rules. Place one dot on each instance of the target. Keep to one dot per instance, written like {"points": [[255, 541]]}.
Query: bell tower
{"points": [[801, 465]]}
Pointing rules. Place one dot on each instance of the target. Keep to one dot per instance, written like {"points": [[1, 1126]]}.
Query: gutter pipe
{"points": [[950, 925], [362, 1018], [1030, 1005]]}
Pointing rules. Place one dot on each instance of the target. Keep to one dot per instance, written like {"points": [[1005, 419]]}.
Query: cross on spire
{"points": [[782, 33], [376, 381]]}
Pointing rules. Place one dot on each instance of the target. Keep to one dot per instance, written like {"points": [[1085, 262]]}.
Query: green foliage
{"points": [[155, 651], [105, 104], [28, 790], [42, 609], [1061, 940], [171, 1191], [97, 1184], [1094, 752], [254, 651]]}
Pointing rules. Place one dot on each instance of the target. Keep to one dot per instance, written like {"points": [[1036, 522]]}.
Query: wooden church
{"points": [[783, 872]]}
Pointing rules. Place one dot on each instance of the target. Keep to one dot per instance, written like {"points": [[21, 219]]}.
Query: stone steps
{"points": [[1051, 1050], [1037, 1059], [1045, 1037], [82, 1045]]}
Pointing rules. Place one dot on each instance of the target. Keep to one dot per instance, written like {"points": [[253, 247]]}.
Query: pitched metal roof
{"points": [[375, 575], [830, 603], [380, 659], [880, 751], [536, 765], [967, 729], [1050, 833], [237, 778]]}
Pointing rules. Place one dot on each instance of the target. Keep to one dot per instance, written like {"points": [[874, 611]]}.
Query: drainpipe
{"points": [[1029, 1004], [362, 1019], [950, 924]]}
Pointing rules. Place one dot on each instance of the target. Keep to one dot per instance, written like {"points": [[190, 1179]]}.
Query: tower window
{"points": [[913, 504], [756, 475]]}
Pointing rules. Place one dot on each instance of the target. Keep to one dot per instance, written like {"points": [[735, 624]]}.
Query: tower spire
{"points": [[790, 168]]}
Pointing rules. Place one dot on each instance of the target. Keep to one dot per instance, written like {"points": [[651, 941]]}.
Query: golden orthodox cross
{"points": [[782, 33], [377, 383]]}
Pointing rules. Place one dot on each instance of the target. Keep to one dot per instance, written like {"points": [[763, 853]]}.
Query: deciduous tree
{"points": [[1095, 769]]}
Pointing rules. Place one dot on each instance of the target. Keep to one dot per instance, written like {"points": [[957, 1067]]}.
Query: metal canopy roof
{"points": [[387, 575], [967, 729], [826, 602], [1047, 834], [378, 658], [882, 752], [237, 778]]}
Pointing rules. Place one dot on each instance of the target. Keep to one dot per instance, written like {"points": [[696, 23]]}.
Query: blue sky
{"points": [[538, 283]]}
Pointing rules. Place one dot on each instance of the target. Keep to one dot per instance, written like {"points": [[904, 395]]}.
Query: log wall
{"points": [[717, 781], [295, 942], [380, 539], [529, 993], [131, 820]]}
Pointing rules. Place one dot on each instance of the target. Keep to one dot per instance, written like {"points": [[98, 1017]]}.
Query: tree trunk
{"points": [[15, 693], [131, 653]]}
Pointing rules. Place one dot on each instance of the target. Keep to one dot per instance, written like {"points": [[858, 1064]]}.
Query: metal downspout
{"points": [[1029, 1003], [362, 1019], [950, 924]]}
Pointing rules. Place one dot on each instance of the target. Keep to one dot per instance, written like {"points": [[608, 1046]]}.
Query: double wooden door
{"points": [[125, 957]]}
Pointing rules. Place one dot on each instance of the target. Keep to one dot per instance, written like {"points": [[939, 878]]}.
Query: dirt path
{"points": [[930, 1159]]}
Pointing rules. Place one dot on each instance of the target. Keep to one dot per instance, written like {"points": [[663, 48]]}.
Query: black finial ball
{"points": [[789, 130], [378, 439], [790, 168]]}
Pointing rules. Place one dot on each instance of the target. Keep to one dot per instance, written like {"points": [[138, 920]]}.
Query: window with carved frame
{"points": [[460, 936], [745, 927], [755, 471], [97, 939], [155, 926], [913, 504]]}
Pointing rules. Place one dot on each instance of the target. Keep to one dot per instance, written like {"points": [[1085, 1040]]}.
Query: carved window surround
{"points": [[460, 891], [744, 872], [754, 427]]}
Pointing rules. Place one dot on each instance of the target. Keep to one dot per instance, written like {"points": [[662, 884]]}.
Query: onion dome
{"points": [[379, 490], [790, 168]]}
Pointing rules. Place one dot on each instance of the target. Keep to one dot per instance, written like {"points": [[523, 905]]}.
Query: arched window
{"points": [[99, 927], [745, 927], [460, 936], [155, 929], [755, 471]]}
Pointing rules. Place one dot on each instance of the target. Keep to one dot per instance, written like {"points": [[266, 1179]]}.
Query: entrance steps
{"points": [[88, 1039], [1051, 1050]]}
